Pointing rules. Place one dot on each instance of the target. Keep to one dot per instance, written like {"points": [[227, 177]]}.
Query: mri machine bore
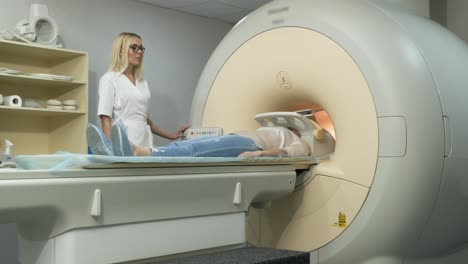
{"points": [[394, 191], [393, 85]]}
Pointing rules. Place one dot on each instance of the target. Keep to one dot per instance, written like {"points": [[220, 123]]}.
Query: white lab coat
{"points": [[121, 100]]}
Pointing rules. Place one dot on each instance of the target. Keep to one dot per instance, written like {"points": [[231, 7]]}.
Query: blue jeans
{"points": [[218, 146]]}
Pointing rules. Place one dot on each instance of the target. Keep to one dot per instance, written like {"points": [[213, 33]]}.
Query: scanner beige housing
{"points": [[394, 86], [393, 191]]}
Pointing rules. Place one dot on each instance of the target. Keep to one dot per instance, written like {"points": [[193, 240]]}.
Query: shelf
{"points": [[38, 111], [43, 130], [36, 82], [37, 52]]}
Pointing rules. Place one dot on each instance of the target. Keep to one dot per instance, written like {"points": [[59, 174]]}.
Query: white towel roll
{"points": [[1, 99], [13, 101]]}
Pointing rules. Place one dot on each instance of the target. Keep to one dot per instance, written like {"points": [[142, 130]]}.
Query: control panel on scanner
{"points": [[202, 131]]}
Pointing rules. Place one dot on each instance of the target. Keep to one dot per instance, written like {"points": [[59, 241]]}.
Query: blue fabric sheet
{"points": [[63, 161]]}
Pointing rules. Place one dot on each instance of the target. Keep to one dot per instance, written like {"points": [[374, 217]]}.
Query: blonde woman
{"points": [[124, 95]]}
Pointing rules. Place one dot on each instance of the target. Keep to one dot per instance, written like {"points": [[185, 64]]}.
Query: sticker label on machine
{"points": [[202, 131], [341, 220]]}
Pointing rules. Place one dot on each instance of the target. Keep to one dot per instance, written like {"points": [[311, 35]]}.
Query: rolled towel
{"points": [[55, 107], [70, 102], [54, 102], [69, 107]]}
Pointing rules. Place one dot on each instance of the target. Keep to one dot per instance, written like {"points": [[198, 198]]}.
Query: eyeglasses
{"points": [[136, 48]]}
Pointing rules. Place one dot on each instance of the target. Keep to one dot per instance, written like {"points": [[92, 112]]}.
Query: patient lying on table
{"points": [[264, 141]]}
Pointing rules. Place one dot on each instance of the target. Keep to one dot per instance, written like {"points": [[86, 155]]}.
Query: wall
{"points": [[457, 18], [439, 11], [178, 46]]}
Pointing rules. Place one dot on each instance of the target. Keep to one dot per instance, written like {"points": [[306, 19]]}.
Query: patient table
{"points": [[108, 210]]}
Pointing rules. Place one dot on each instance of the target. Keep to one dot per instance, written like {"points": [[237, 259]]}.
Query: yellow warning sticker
{"points": [[341, 220]]}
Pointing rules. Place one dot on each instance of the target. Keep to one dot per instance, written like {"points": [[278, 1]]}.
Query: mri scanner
{"points": [[394, 191]]}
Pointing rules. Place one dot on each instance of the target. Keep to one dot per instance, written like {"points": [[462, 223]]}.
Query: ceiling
{"points": [[230, 11]]}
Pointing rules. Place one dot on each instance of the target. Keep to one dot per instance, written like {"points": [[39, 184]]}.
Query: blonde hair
{"points": [[119, 54]]}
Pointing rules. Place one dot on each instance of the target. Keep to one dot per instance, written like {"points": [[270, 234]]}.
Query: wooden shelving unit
{"points": [[35, 82], [42, 130]]}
